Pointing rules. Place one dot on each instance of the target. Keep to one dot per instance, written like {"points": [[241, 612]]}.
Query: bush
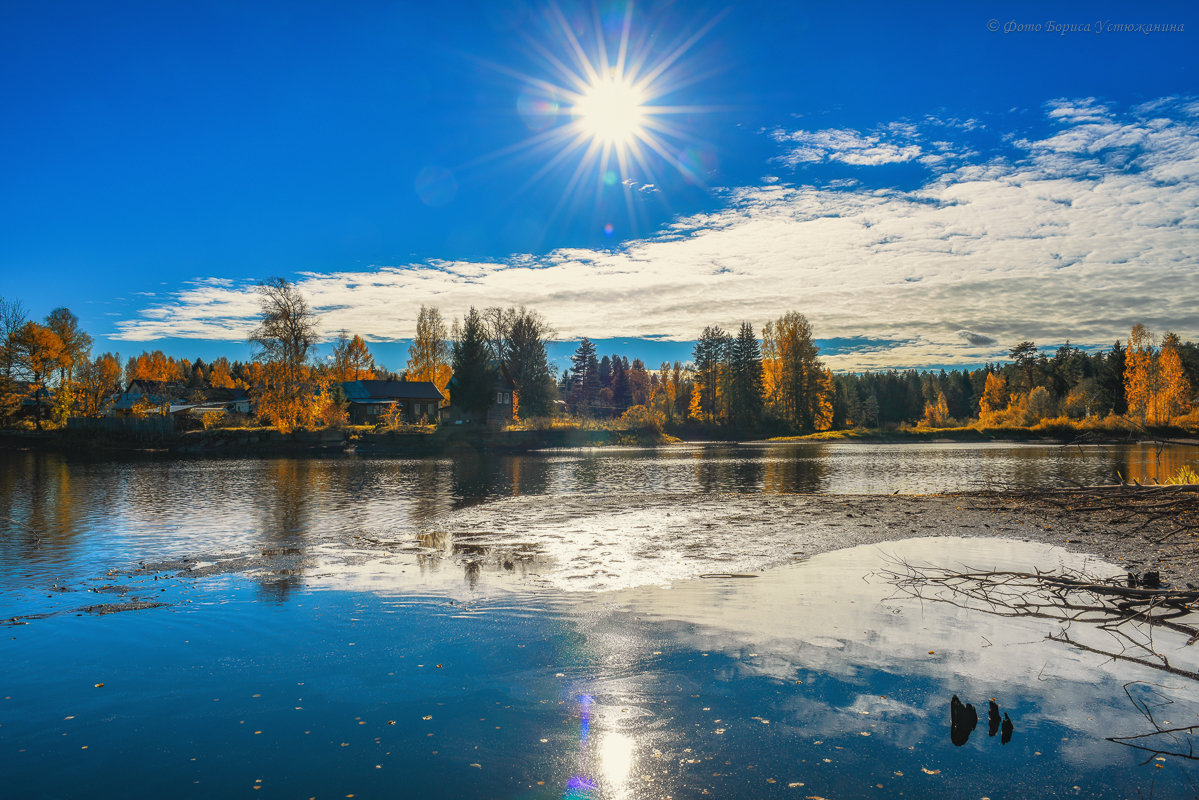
{"points": [[210, 421], [642, 418]]}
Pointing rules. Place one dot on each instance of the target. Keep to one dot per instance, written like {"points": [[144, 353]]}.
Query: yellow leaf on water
{"points": [[928, 771]]}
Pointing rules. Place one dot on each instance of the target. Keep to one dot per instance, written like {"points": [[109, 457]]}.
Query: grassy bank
{"points": [[413, 440], [1052, 431]]}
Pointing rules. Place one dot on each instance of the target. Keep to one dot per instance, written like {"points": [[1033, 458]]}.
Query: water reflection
{"points": [[806, 681], [57, 511]]}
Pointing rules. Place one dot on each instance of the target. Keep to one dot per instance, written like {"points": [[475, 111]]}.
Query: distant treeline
{"points": [[777, 383], [780, 384]]}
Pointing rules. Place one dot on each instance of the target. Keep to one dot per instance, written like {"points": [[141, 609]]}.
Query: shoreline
{"points": [[600, 543], [226, 442]]}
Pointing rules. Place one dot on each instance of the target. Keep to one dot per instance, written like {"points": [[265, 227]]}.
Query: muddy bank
{"points": [[599, 543], [615, 542]]}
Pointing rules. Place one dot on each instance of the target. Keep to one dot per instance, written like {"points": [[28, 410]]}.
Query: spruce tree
{"points": [[584, 377], [745, 378], [474, 379]]}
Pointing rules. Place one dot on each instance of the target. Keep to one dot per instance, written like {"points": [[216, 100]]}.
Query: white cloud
{"points": [[1077, 234], [848, 146]]}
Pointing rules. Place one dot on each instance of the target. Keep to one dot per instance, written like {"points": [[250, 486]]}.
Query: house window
{"points": [[499, 398]]}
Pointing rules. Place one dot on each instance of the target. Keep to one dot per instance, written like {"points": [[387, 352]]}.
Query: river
{"points": [[558, 624]]}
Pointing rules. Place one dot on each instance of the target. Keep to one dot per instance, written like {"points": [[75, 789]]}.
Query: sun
{"points": [[611, 111], [604, 108]]}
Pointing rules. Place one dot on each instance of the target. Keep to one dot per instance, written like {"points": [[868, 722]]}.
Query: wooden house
{"points": [[371, 401]]}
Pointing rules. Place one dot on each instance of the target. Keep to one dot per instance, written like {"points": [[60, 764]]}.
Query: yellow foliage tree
{"points": [[824, 401], [936, 414], [98, 380], [994, 398], [1139, 375], [156, 366], [794, 382], [289, 392], [352, 361], [429, 355], [1175, 390], [219, 375]]}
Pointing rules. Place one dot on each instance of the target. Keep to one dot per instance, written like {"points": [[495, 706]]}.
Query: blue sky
{"points": [[907, 178]]}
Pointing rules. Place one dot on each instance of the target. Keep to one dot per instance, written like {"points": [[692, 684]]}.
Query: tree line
{"points": [[735, 381]]}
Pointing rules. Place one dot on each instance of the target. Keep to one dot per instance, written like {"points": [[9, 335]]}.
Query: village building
{"points": [[501, 409], [371, 401], [150, 397]]}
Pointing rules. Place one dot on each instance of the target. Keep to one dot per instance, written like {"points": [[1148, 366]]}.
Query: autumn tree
{"points": [[793, 373], [98, 380], [38, 355], [668, 392], [936, 412], [1173, 387], [76, 345], [156, 366], [429, 355], [1140, 378], [994, 398], [352, 361], [220, 375], [288, 392]]}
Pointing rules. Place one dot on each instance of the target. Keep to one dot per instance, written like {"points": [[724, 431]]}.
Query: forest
{"points": [[736, 384]]}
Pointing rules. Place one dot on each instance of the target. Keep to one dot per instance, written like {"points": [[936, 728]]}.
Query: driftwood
{"points": [[1128, 614], [1162, 739], [1167, 511]]}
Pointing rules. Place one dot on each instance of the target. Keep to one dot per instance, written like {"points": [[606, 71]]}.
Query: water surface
{"points": [[379, 665]]}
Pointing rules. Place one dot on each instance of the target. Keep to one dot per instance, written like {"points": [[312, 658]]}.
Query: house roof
{"points": [[391, 390], [225, 395], [157, 387]]}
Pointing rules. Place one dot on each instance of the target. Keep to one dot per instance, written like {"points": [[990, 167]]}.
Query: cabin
{"points": [[501, 409], [35, 401], [371, 401], [150, 397], [164, 397], [207, 403]]}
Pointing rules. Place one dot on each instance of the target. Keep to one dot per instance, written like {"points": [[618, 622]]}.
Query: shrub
{"points": [[642, 418]]}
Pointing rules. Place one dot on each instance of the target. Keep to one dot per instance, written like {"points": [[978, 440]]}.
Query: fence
{"points": [[156, 427]]}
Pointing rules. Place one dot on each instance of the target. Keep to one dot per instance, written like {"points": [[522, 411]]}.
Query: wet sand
{"points": [[586, 542]]}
